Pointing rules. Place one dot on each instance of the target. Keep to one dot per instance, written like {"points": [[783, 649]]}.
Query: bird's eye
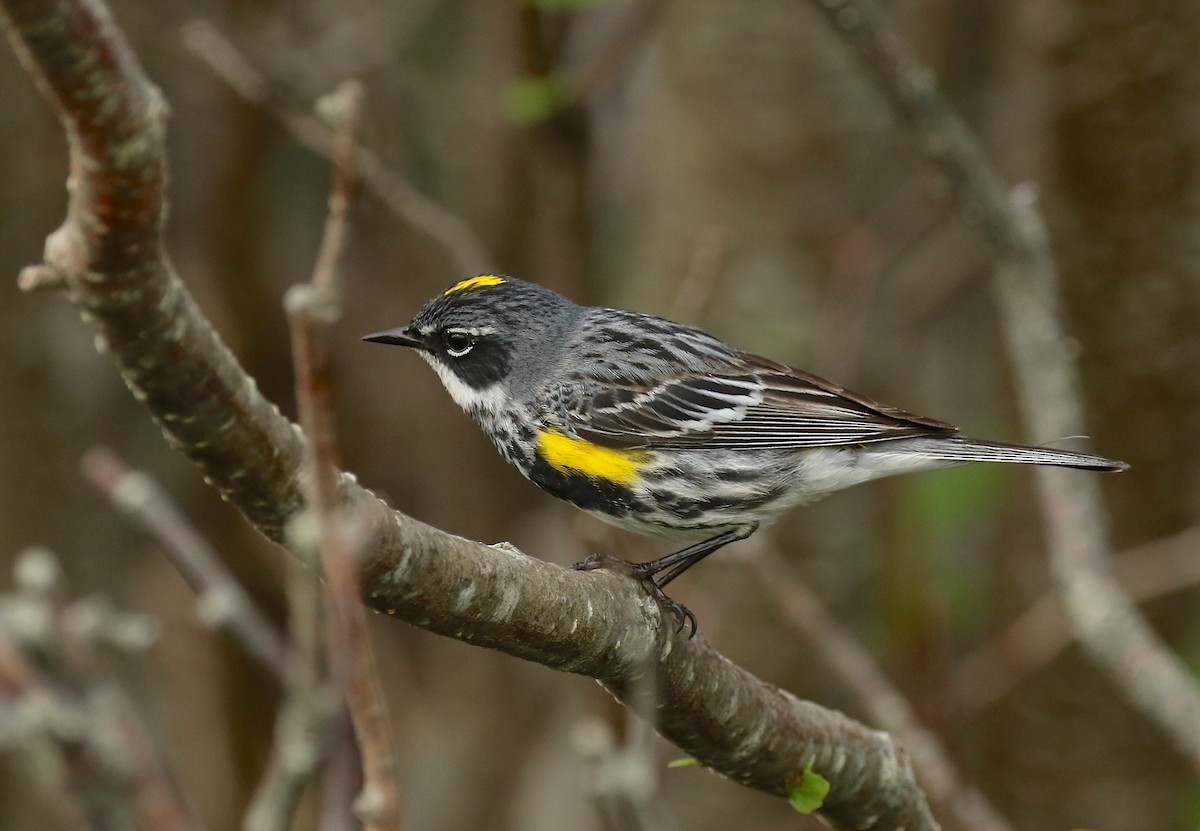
{"points": [[459, 343]]}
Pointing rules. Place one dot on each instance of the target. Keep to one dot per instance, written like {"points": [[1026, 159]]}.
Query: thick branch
{"points": [[596, 623]]}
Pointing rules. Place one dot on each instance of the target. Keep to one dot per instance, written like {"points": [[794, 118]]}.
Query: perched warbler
{"points": [[663, 429]]}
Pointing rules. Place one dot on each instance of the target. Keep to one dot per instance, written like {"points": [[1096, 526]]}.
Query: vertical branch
{"points": [[309, 706], [1026, 286], [342, 534]]}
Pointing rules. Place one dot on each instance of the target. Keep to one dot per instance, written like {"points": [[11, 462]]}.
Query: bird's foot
{"points": [[682, 614], [644, 575], [597, 561]]}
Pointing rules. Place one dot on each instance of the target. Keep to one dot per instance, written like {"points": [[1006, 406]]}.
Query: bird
{"points": [[663, 429]]}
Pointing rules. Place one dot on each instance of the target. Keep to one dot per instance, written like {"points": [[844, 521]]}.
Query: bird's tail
{"points": [[962, 449]]}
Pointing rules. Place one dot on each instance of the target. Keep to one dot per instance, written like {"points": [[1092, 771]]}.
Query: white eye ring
{"points": [[459, 343]]}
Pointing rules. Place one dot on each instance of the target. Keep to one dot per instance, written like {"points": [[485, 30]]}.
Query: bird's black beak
{"points": [[404, 336]]}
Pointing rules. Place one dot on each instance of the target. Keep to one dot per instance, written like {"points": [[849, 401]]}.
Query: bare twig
{"points": [[221, 600], [450, 231], [623, 777], [343, 111], [612, 57], [1042, 632], [342, 533], [310, 707], [1026, 285], [103, 768], [888, 708], [593, 623]]}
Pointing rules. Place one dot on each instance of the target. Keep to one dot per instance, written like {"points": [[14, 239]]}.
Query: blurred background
{"points": [[726, 164]]}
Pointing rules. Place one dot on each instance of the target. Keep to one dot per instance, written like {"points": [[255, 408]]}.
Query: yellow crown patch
{"points": [[474, 283]]}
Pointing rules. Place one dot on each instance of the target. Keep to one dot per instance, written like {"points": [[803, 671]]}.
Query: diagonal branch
{"points": [[450, 231], [848, 659], [110, 257], [220, 599]]}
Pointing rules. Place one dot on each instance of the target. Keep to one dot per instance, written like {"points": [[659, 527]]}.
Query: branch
{"points": [[1025, 283], [887, 706], [310, 308], [220, 599], [1041, 633], [464, 247], [598, 624], [103, 769], [309, 713]]}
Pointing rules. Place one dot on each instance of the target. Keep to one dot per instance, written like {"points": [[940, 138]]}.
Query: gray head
{"points": [[488, 337]]}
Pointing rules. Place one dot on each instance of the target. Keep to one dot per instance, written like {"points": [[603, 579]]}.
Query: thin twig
{"points": [[888, 708], [468, 252], [343, 111], [1026, 287], [221, 600], [309, 710], [104, 763], [342, 533], [610, 59], [1041, 633], [623, 777]]}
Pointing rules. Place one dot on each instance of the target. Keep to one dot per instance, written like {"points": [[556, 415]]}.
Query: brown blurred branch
{"points": [[221, 600], [612, 57], [1026, 285], [341, 533], [888, 708], [623, 777], [309, 712], [592, 623], [96, 763], [1042, 632], [464, 247]]}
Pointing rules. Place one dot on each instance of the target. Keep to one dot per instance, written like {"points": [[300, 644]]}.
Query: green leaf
{"points": [[533, 99], [685, 762], [807, 790]]}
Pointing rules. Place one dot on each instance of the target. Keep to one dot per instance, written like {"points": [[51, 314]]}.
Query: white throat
{"points": [[477, 402]]}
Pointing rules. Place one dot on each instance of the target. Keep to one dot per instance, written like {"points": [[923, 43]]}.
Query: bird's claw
{"points": [[597, 561], [645, 577], [682, 614]]}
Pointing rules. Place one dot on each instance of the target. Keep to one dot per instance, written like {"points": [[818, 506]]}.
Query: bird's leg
{"points": [[665, 569], [658, 573]]}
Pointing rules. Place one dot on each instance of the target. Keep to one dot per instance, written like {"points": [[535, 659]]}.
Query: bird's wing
{"points": [[751, 403]]}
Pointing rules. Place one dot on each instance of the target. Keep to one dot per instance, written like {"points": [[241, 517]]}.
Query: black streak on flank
{"points": [[586, 492]]}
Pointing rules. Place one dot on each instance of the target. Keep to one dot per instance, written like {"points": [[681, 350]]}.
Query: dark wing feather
{"points": [[753, 403]]}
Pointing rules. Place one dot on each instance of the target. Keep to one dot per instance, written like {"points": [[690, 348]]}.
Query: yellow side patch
{"points": [[570, 455], [475, 283]]}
